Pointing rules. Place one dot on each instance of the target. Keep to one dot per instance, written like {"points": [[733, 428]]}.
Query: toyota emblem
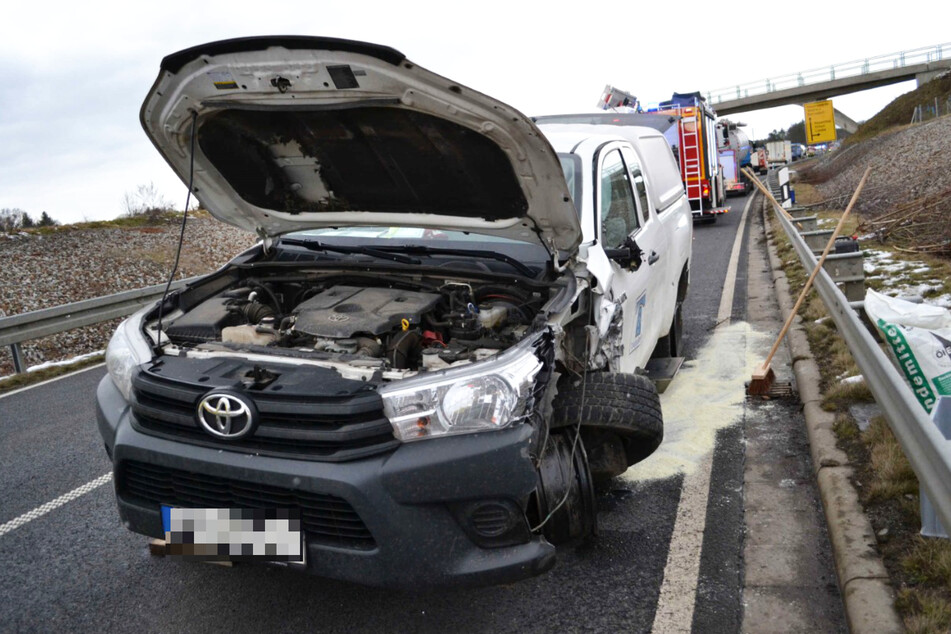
{"points": [[226, 415]]}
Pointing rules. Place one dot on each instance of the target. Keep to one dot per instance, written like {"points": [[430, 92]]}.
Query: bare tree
{"points": [[11, 219], [147, 201]]}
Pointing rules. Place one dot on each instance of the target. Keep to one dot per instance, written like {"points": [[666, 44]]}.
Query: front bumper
{"points": [[415, 503]]}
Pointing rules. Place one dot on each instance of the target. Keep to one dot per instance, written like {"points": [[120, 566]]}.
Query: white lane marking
{"points": [[678, 592], [53, 380], [42, 510], [729, 284]]}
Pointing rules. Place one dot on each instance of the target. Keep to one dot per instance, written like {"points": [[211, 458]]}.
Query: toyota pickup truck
{"points": [[435, 351]]}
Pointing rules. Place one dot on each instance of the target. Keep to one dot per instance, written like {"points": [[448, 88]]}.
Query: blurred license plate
{"points": [[234, 534]]}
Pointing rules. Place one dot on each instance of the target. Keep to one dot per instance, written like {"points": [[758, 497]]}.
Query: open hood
{"points": [[303, 132]]}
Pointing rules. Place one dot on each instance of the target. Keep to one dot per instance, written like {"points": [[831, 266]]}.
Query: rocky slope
{"points": [[907, 199], [69, 265]]}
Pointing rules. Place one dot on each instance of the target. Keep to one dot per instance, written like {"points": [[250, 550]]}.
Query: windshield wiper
{"points": [[314, 245], [492, 255]]}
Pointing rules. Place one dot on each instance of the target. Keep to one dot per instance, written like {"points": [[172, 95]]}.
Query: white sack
{"points": [[919, 336]]}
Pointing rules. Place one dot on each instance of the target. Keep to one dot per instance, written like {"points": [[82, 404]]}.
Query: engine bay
{"points": [[396, 323]]}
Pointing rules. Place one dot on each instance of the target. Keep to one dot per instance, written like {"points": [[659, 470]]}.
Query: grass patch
{"points": [[838, 397], [898, 113], [23, 379], [806, 194], [142, 221], [931, 614], [930, 561], [892, 475], [845, 428]]}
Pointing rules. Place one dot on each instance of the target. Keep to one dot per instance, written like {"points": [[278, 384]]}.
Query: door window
{"points": [[618, 210], [640, 186]]}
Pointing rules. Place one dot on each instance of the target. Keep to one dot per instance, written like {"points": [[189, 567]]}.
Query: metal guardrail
{"points": [[855, 68], [50, 321], [926, 448]]}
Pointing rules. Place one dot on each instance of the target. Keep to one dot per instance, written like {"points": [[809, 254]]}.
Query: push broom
{"points": [[764, 376]]}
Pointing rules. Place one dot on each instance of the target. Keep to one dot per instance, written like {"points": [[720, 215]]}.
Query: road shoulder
{"points": [[862, 579]]}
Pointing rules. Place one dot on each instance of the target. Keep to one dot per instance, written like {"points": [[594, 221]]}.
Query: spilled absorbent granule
{"points": [[707, 395]]}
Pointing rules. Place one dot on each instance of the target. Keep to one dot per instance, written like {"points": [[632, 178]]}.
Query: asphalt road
{"points": [[76, 568]]}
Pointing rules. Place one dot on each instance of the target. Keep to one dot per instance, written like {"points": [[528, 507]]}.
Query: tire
{"points": [[671, 345], [845, 244], [620, 415]]}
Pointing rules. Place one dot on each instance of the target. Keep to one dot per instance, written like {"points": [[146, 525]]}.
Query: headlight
{"points": [[478, 397], [126, 351]]}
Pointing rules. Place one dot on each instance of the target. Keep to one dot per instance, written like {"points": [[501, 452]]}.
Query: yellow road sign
{"points": [[820, 122]]}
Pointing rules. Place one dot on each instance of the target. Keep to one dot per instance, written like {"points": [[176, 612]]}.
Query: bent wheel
{"points": [[620, 416]]}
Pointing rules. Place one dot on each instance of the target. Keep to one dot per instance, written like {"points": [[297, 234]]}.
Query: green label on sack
{"points": [[908, 364], [943, 384]]}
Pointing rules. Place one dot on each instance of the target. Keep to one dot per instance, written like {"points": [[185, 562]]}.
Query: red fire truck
{"points": [[690, 126], [694, 141]]}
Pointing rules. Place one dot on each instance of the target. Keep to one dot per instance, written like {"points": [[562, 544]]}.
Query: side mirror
{"points": [[628, 255], [621, 255]]}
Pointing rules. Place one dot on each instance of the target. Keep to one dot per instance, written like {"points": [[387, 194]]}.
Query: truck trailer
{"points": [[779, 152], [735, 153]]}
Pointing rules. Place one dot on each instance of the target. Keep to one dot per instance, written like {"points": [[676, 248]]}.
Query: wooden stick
{"points": [[749, 173], [815, 271]]}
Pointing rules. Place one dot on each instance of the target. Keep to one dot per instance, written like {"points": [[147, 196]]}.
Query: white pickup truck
{"points": [[438, 344], [630, 193]]}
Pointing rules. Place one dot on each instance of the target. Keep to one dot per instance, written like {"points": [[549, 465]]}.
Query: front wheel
{"points": [[620, 417]]}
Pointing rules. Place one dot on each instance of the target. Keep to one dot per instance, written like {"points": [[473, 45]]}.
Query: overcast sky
{"points": [[73, 75]]}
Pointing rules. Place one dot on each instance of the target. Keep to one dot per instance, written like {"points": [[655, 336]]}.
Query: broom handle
{"points": [[815, 271], [749, 174]]}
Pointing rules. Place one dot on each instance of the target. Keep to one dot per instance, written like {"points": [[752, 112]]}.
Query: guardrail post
{"points": [[17, 357], [848, 271], [806, 223], [798, 212], [817, 240]]}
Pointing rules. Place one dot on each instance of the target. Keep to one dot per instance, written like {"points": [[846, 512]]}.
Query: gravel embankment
{"points": [[70, 265], [909, 164]]}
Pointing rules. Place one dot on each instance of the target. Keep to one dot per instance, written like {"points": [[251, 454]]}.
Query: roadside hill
{"points": [[907, 199], [45, 268]]}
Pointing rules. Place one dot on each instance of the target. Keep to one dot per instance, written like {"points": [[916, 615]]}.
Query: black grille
{"points": [[304, 421], [492, 520], [325, 518]]}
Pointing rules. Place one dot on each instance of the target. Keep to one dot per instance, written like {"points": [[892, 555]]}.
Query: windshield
{"points": [[433, 247], [571, 166], [395, 235]]}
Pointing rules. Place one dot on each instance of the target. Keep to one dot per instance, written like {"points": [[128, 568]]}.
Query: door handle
{"points": [[653, 257]]}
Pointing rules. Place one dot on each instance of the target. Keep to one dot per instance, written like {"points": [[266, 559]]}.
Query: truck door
{"points": [[652, 236], [634, 289]]}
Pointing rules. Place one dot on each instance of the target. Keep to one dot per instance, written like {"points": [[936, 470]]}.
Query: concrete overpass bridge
{"points": [[923, 64]]}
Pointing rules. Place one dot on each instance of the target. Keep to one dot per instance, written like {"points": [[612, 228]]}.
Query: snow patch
{"points": [[54, 364]]}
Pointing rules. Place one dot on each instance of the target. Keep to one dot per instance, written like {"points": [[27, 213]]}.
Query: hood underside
{"points": [[299, 133]]}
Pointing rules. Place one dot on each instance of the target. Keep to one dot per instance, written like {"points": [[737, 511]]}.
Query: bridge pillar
{"points": [[925, 77], [845, 122]]}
